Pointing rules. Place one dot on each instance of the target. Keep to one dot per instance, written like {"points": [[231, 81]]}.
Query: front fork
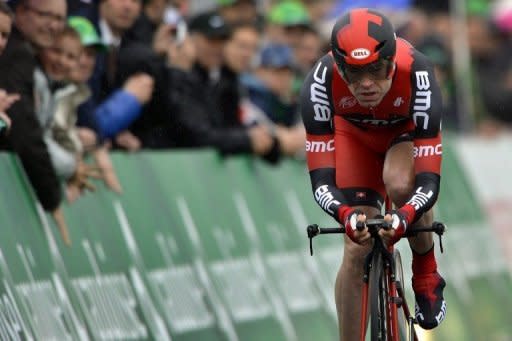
{"points": [[393, 299]]}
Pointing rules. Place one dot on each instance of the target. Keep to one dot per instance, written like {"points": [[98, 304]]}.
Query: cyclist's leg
{"points": [[428, 285], [349, 284], [359, 178], [398, 175]]}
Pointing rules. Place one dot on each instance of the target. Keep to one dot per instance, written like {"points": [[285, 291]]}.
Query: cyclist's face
{"points": [[370, 83]]}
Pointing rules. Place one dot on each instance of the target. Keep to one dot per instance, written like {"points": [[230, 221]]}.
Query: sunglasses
{"points": [[379, 70]]}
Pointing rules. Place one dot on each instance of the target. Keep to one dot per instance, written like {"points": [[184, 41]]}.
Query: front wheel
{"points": [[378, 299], [399, 278]]}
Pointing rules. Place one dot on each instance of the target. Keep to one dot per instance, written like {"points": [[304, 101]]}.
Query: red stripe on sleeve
{"points": [[428, 154], [320, 151]]}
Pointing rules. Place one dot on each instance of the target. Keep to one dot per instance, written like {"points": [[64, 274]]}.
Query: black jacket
{"points": [[17, 65], [198, 120]]}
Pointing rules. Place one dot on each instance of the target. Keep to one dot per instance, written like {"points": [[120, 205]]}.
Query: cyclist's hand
{"points": [[398, 226], [359, 237]]}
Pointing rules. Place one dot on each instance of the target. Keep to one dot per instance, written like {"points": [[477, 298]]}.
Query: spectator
{"points": [[198, 121], [6, 100], [57, 62], [270, 86], [318, 9], [240, 12], [84, 8], [239, 53], [307, 51], [287, 22], [6, 17], [37, 24], [159, 24], [435, 49], [110, 112], [271, 90], [490, 52], [64, 130]]}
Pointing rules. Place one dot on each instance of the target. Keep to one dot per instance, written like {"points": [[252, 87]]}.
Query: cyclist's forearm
{"points": [[424, 196], [326, 193]]}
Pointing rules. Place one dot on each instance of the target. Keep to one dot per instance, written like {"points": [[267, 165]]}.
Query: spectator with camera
{"points": [[199, 121]]}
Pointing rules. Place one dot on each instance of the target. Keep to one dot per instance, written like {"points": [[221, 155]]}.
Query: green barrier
{"points": [[266, 217], [34, 302], [166, 251], [471, 263], [107, 282], [236, 276], [291, 188]]}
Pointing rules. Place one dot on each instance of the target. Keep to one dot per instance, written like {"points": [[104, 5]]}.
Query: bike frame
{"points": [[395, 291]]}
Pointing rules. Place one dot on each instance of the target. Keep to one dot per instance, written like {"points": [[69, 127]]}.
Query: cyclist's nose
{"points": [[366, 81]]}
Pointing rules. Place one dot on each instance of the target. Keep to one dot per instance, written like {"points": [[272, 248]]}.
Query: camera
{"points": [[173, 18]]}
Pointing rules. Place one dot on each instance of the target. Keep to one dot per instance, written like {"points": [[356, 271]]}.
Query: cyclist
{"points": [[372, 112]]}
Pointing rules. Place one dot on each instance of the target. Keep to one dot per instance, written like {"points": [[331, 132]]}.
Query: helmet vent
{"points": [[380, 46]]}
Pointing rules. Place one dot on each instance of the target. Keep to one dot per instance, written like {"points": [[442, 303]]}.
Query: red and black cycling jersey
{"points": [[413, 105]]}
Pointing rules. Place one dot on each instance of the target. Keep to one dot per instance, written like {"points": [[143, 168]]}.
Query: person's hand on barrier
{"points": [[107, 169], [352, 220], [128, 141], [87, 137], [6, 100], [398, 222], [141, 86], [58, 217], [72, 192], [291, 140], [82, 175], [261, 139]]}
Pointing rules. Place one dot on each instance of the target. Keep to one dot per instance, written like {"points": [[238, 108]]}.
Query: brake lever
{"points": [[440, 229], [313, 230]]}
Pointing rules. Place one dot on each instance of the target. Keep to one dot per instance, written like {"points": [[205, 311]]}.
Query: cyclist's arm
{"points": [[317, 110], [426, 109]]}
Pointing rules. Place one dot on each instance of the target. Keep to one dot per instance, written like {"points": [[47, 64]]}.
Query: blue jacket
{"points": [[115, 114]]}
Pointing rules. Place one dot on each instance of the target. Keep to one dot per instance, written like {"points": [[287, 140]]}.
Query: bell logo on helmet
{"points": [[360, 53]]}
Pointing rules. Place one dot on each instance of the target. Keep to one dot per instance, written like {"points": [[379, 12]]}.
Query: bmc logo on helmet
{"points": [[360, 53]]}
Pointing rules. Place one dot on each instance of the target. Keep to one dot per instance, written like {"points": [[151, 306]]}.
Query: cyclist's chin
{"points": [[369, 101]]}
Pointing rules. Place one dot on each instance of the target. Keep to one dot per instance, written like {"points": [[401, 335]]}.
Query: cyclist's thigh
{"points": [[399, 161]]}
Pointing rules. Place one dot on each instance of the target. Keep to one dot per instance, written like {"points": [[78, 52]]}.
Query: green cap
{"points": [[86, 31], [478, 7], [289, 13]]}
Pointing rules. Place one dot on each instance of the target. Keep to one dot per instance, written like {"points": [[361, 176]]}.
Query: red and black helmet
{"points": [[362, 36]]}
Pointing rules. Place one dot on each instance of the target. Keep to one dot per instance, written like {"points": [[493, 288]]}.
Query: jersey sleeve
{"points": [[426, 109], [317, 114]]}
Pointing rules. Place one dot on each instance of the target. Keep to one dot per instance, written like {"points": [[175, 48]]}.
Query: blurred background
{"points": [[154, 184]]}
